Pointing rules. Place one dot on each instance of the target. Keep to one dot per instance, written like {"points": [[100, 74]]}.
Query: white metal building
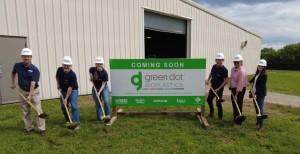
{"points": [[84, 29]]}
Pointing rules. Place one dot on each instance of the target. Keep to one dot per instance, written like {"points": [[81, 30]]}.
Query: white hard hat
{"points": [[238, 57], [262, 62], [26, 52], [99, 60], [67, 60], [220, 56]]}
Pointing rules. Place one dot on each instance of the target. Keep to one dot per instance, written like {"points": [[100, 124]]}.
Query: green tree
{"points": [[286, 58]]}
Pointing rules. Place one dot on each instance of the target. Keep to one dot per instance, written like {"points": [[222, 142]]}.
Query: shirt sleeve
{"points": [[57, 72], [225, 73], [14, 71], [73, 80], [36, 75], [105, 77], [241, 81], [91, 70]]}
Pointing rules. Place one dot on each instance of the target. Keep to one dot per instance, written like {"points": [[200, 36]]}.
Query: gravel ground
{"points": [[272, 97]]}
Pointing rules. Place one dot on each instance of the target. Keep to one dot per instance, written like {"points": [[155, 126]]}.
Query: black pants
{"points": [[240, 98], [210, 98]]}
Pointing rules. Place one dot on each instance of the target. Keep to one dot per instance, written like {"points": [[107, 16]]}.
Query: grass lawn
{"points": [[285, 82], [160, 134], [153, 134]]}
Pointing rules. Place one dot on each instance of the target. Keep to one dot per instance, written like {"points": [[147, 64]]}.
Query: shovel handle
{"points": [[98, 99], [65, 107], [215, 93], [236, 104], [27, 101], [255, 102]]}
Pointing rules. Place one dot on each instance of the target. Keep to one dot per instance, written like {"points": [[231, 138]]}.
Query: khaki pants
{"points": [[26, 109]]}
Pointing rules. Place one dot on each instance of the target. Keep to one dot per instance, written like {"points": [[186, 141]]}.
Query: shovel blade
{"points": [[72, 126], [44, 116], [264, 116], [106, 119], [240, 119], [221, 100]]}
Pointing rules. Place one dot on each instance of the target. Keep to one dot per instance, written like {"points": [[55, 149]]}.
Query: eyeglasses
{"points": [[236, 62]]}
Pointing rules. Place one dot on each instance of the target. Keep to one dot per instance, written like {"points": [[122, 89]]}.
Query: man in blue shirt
{"points": [[67, 82], [28, 78], [218, 78]]}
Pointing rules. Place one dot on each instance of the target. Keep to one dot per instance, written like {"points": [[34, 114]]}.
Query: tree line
{"points": [[286, 58]]}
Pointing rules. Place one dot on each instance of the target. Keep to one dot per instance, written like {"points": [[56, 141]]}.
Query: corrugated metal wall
{"points": [[85, 29]]}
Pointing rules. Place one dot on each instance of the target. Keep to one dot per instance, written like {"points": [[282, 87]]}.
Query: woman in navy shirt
{"points": [[260, 89], [99, 77], [67, 82]]}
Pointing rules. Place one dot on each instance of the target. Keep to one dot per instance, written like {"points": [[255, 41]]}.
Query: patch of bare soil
{"points": [[85, 103]]}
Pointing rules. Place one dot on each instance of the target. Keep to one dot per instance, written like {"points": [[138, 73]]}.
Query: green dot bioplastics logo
{"points": [[137, 80], [163, 81]]}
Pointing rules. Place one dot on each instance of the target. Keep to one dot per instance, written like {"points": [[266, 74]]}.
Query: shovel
{"points": [[70, 125], [218, 98], [105, 118], [41, 115], [264, 116], [240, 118]]}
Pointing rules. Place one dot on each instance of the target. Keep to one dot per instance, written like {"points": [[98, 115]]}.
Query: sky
{"points": [[276, 21]]}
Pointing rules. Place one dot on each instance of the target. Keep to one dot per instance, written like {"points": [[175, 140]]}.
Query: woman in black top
{"points": [[259, 89]]}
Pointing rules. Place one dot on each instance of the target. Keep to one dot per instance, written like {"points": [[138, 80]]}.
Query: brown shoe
{"points": [[261, 128], [27, 132], [42, 132]]}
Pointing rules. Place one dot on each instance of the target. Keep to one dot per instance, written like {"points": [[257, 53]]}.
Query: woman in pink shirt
{"points": [[238, 82]]}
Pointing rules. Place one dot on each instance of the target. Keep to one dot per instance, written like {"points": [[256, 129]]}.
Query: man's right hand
{"points": [[207, 82], [13, 86], [65, 101]]}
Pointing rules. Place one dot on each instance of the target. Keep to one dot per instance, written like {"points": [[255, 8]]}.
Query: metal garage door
{"points": [[157, 22], [10, 54]]}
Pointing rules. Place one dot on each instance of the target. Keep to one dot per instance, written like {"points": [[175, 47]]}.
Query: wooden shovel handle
{"points": [[215, 92], [255, 102], [21, 95], [98, 99], [61, 95], [236, 104]]}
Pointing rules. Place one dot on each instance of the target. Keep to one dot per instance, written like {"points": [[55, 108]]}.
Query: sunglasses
{"points": [[236, 62]]}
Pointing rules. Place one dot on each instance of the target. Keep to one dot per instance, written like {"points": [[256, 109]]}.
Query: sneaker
{"points": [[27, 132], [99, 121], [77, 128], [261, 128], [42, 132], [67, 123]]}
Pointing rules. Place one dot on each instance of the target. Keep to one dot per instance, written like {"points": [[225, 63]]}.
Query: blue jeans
{"points": [[260, 101], [106, 97], [73, 101], [210, 98]]}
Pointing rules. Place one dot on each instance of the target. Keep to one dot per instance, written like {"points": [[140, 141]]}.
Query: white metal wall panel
{"points": [[79, 55], [3, 17], [21, 16], [85, 29], [12, 22], [42, 47], [50, 50]]}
